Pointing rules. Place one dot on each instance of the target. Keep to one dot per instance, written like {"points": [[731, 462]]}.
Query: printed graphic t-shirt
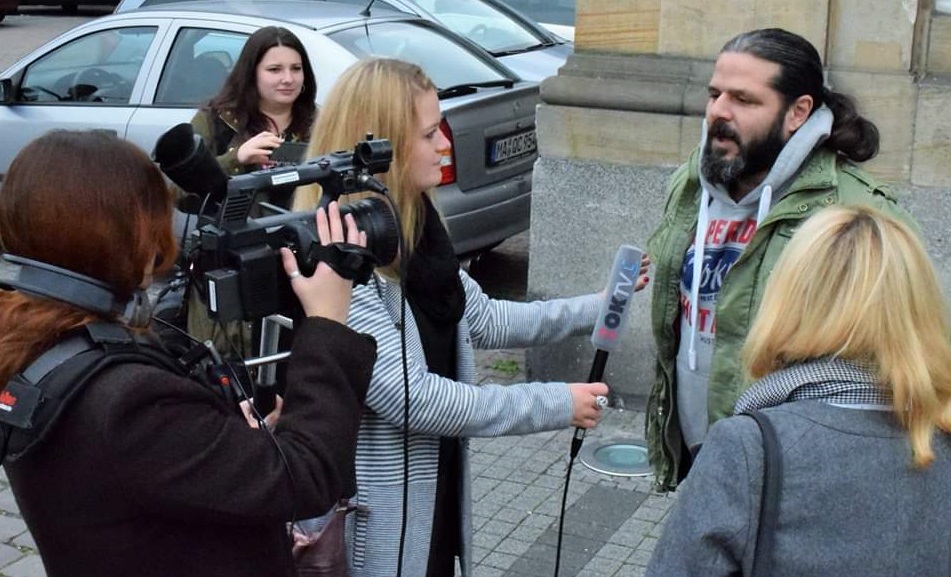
{"points": [[729, 229]]}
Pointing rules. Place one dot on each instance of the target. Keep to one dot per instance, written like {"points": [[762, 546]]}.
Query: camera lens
{"points": [[297, 230], [373, 216]]}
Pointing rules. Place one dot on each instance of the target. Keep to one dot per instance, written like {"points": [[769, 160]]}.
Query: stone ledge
{"points": [[616, 136], [643, 83]]}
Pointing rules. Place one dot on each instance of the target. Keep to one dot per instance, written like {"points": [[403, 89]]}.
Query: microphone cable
{"points": [[611, 323], [404, 362], [596, 374], [236, 382], [376, 185]]}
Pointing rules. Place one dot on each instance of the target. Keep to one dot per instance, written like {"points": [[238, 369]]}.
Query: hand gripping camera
{"points": [[238, 255]]}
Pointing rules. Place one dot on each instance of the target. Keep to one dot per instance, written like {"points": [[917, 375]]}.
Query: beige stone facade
{"points": [[627, 108], [893, 55]]}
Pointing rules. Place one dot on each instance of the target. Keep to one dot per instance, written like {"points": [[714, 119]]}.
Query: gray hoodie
{"points": [[724, 228]]}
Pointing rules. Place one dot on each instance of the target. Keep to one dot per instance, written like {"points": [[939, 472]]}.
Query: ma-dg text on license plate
{"points": [[512, 146]]}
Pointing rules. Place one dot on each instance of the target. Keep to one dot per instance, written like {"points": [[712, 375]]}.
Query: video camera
{"points": [[238, 255]]}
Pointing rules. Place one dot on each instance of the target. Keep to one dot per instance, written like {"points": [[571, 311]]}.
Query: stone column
{"points": [[626, 109]]}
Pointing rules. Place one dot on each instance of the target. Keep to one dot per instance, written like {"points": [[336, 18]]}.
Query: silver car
{"points": [[530, 50], [139, 73]]}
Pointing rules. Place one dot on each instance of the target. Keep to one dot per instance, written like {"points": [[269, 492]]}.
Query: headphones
{"points": [[45, 280]]}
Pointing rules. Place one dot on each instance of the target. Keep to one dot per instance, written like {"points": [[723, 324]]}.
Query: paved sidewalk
{"points": [[611, 524], [18, 556], [610, 527]]}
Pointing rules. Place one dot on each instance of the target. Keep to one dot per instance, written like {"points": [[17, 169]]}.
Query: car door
{"points": [[190, 68], [91, 77]]}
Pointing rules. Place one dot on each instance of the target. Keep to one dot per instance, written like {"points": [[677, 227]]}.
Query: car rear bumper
{"points": [[485, 216]]}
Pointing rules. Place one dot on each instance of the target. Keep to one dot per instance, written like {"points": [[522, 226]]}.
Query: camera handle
{"points": [[266, 383]]}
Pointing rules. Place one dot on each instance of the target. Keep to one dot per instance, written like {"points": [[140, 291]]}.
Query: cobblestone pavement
{"points": [[611, 523]]}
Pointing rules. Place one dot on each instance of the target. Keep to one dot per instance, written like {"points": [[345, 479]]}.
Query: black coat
{"points": [[151, 474]]}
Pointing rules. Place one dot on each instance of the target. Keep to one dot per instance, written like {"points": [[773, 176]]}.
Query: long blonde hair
{"points": [[857, 284], [377, 96]]}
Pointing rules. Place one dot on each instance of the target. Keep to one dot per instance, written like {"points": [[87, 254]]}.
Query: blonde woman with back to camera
{"points": [[447, 316], [851, 353]]}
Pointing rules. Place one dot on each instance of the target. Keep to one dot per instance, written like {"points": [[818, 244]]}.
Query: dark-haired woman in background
{"points": [[267, 99]]}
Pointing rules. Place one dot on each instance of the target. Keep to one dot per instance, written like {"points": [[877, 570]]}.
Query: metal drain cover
{"points": [[621, 458]]}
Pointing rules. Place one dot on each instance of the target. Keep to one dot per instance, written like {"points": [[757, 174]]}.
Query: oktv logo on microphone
{"points": [[613, 317]]}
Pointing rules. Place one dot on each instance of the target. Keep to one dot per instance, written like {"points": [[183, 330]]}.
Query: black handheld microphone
{"points": [[612, 320]]}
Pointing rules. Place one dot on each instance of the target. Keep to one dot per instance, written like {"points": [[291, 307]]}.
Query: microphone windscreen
{"points": [[183, 157], [616, 308]]}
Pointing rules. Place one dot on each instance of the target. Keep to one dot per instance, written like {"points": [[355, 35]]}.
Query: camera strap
{"points": [[351, 261], [35, 398]]}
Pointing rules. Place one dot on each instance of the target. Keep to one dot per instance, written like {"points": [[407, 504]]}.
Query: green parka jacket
{"points": [[220, 133], [824, 179]]}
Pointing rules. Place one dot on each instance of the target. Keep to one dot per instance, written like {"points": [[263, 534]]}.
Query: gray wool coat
{"points": [[441, 407], [852, 504]]}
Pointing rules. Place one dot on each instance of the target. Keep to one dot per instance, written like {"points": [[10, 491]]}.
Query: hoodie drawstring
{"points": [[703, 218], [765, 200]]}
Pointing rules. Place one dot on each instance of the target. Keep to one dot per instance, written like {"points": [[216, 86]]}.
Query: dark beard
{"points": [[752, 158]]}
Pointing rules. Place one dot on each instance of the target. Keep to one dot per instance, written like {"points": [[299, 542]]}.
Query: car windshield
{"points": [[483, 24], [445, 61]]}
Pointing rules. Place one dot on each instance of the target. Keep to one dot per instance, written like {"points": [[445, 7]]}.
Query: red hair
{"points": [[89, 202]]}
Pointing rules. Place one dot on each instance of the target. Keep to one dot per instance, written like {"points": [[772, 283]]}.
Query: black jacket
{"points": [[149, 474]]}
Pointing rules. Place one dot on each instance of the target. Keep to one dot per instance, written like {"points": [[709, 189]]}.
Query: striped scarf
{"points": [[829, 380]]}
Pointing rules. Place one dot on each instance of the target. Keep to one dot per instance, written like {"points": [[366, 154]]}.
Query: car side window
{"points": [[197, 65], [97, 68]]}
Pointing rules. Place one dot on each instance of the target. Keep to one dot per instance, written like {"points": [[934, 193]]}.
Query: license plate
{"points": [[512, 146]]}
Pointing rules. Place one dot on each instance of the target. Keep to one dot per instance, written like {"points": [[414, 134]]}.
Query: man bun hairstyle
{"points": [[801, 72]]}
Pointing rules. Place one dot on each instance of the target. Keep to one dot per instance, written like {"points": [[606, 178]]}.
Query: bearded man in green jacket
{"points": [[777, 146]]}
